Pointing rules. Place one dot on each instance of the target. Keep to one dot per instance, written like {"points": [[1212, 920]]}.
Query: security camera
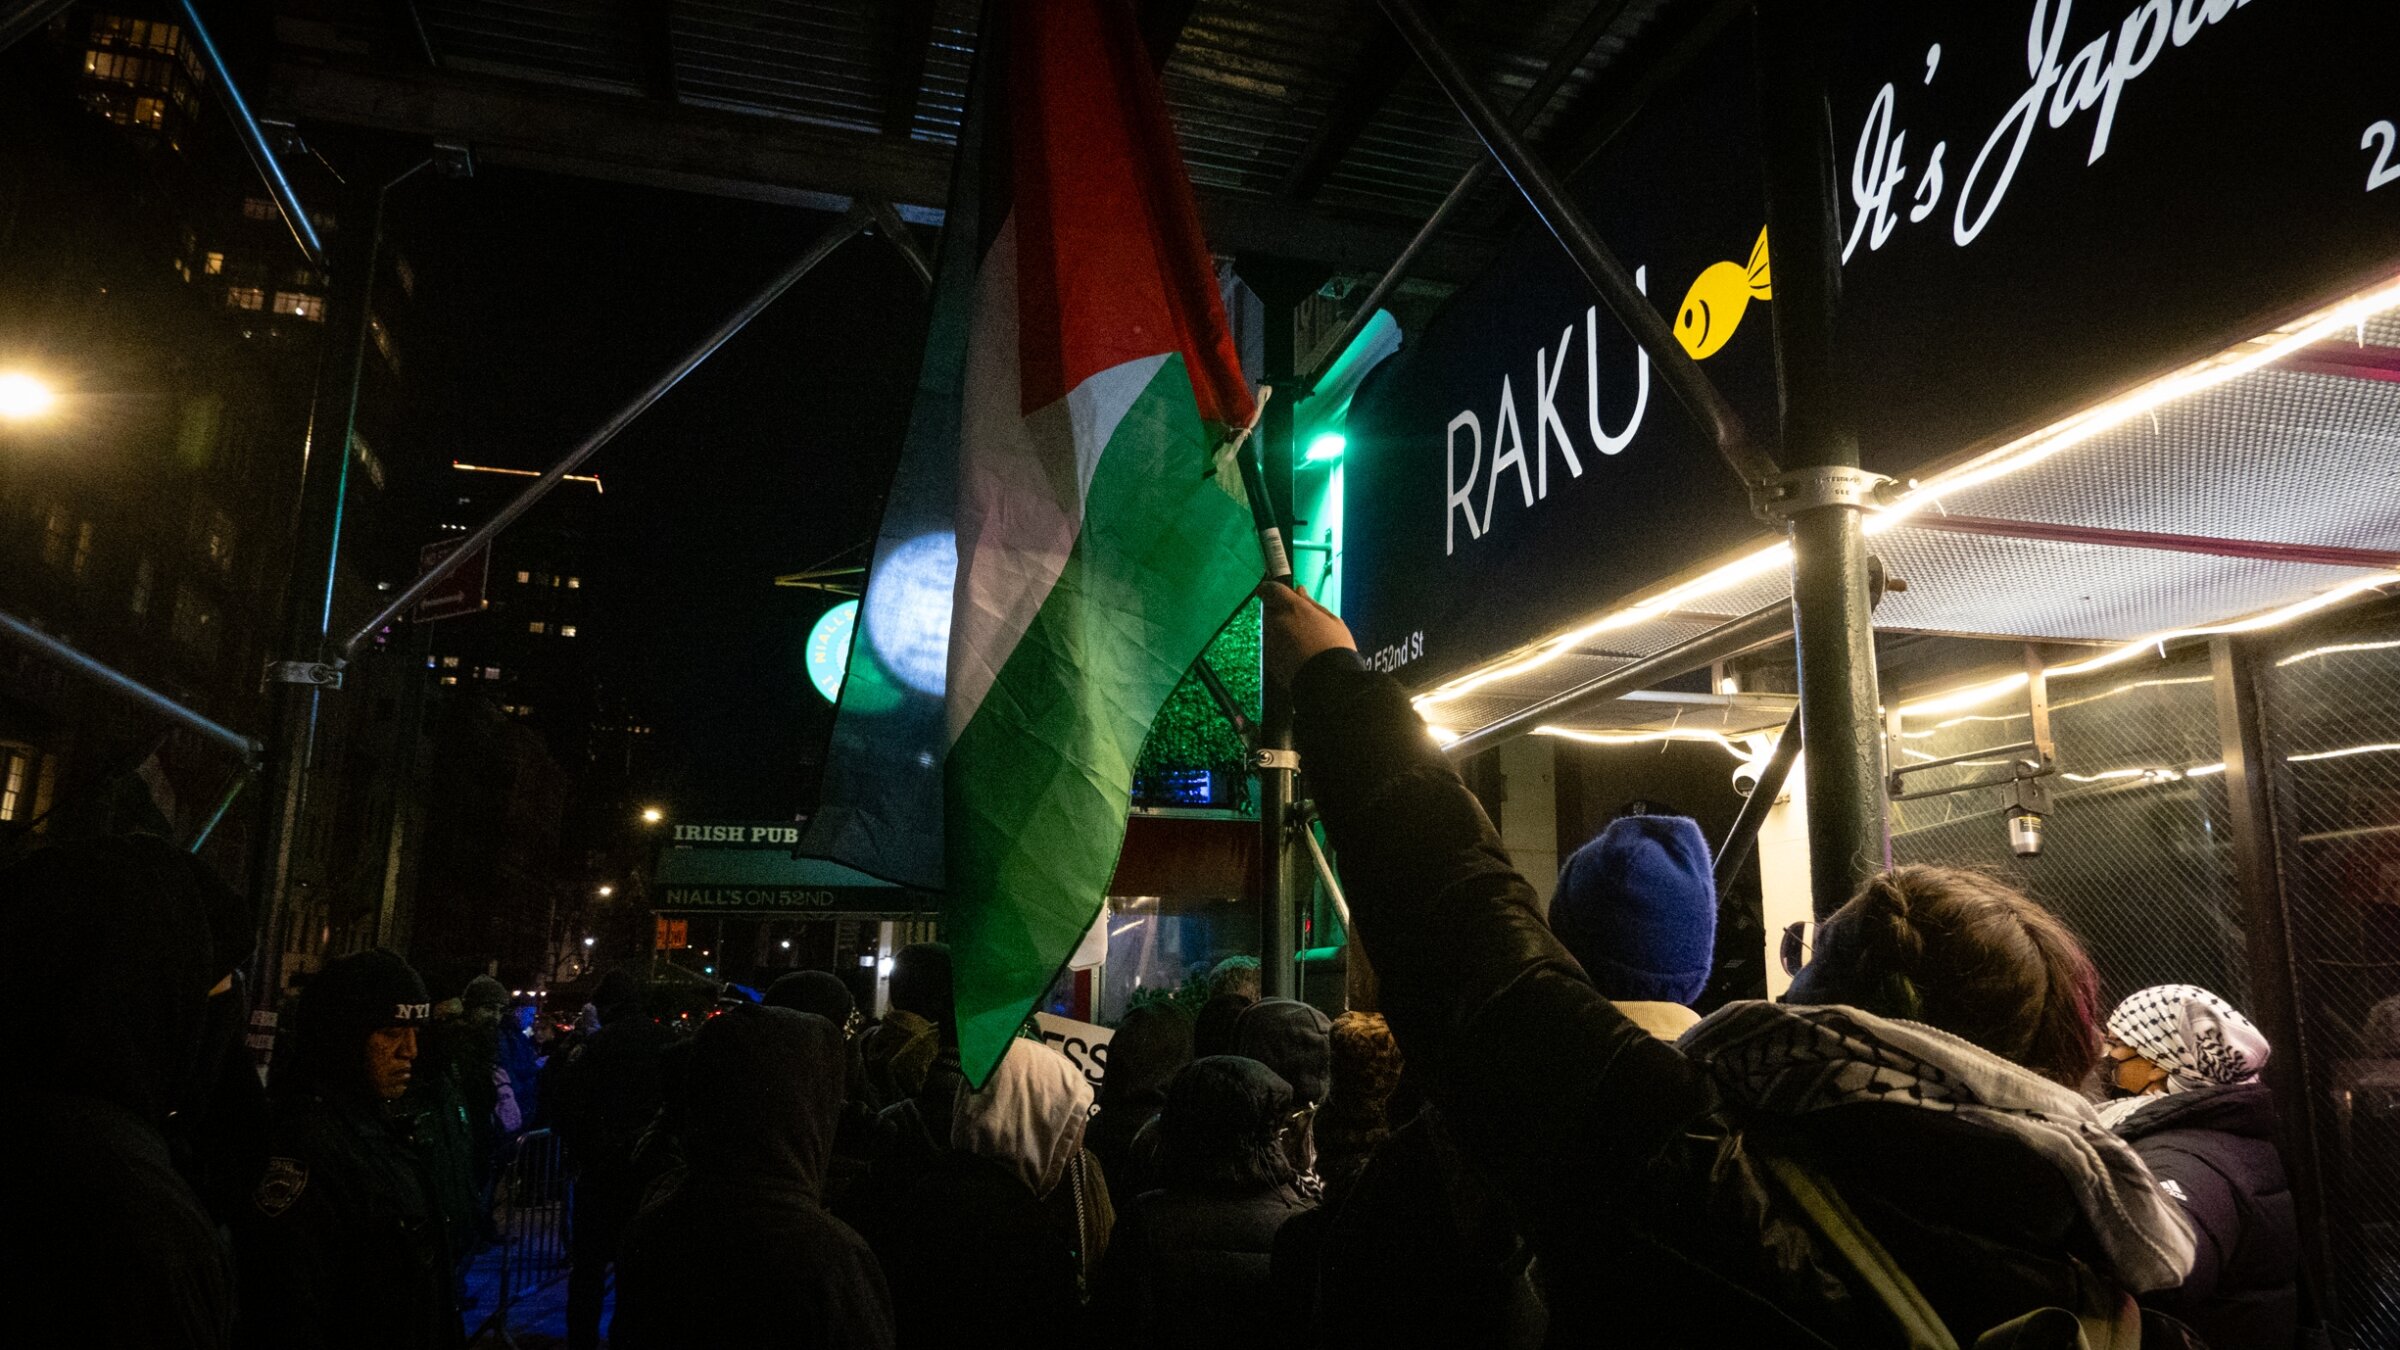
{"points": [[1745, 778], [2025, 833], [2025, 802]]}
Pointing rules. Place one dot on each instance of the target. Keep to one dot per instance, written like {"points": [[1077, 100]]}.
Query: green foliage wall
{"points": [[1191, 733]]}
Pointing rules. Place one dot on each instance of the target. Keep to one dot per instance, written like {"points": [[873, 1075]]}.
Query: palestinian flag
{"points": [[1101, 538]]}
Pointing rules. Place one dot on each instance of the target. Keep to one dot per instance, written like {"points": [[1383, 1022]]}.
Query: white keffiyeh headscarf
{"points": [[2199, 1039]]}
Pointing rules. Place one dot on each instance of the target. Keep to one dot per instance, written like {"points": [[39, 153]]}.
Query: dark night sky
{"points": [[565, 296]]}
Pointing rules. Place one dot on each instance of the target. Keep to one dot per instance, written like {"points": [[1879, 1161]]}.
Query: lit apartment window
{"points": [[245, 297], [145, 580], [56, 529], [537, 626], [566, 630], [450, 663], [13, 765], [574, 583], [301, 305], [449, 679], [491, 672], [523, 577], [214, 264], [430, 663], [83, 549], [259, 208], [149, 112]]}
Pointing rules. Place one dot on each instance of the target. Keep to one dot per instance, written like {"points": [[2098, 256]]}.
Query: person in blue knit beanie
{"points": [[1637, 908]]}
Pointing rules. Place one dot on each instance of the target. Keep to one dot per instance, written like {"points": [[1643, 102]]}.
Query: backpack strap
{"points": [[1919, 1325]]}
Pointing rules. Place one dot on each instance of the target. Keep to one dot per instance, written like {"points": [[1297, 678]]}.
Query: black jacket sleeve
{"points": [[1537, 1073]]}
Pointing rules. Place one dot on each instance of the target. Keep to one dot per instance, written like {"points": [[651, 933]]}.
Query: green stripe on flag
{"points": [[1039, 781]]}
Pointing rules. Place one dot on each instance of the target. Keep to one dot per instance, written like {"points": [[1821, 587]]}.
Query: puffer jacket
{"points": [[1641, 1183], [2214, 1150]]}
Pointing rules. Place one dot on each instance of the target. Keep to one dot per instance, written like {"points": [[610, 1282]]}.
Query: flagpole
{"points": [[1254, 486]]}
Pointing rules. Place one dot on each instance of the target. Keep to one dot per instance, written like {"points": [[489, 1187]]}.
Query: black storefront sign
{"points": [[801, 900], [2045, 202]]}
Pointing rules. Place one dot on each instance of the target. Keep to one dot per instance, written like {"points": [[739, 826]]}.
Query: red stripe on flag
{"points": [[1111, 265]]}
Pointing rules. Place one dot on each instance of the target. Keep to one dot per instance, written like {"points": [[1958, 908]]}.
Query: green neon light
{"points": [[829, 648]]}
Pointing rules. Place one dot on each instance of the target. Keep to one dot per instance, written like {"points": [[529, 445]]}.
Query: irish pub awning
{"points": [[747, 868]]}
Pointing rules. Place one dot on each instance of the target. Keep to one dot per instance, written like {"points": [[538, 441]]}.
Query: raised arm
{"points": [[1533, 1069]]}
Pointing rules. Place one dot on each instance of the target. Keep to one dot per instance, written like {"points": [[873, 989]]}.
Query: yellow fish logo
{"points": [[1713, 307]]}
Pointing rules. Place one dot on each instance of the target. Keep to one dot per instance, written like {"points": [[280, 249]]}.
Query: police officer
{"points": [[344, 1245]]}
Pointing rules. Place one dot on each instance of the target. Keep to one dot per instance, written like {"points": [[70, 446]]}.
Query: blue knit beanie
{"points": [[1637, 907]]}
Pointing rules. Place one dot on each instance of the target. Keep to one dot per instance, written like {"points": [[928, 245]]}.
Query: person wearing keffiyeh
{"points": [[2187, 1065]]}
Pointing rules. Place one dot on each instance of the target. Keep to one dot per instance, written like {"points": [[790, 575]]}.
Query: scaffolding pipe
{"points": [[1547, 195], [1564, 63], [254, 139], [1832, 583], [1325, 876], [110, 677], [1744, 835], [818, 250], [1728, 639], [225, 801]]}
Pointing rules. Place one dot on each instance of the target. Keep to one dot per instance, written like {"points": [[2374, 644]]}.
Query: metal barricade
{"points": [[530, 1214]]}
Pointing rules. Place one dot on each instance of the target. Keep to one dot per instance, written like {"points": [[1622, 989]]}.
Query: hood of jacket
{"points": [[1777, 1059], [1292, 1038], [1029, 1116], [2243, 1109], [159, 918], [1151, 1044], [762, 1098]]}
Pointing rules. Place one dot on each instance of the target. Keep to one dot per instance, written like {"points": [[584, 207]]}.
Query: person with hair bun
{"points": [[1897, 1144]]}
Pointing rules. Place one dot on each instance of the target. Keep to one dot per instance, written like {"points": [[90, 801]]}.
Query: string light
{"points": [[2384, 747], [2009, 459], [1645, 737]]}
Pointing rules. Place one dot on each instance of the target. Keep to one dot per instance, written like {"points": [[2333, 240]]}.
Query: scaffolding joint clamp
{"points": [[324, 674], [1268, 758], [1781, 496]]}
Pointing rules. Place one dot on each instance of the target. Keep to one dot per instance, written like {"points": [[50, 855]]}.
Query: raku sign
{"points": [[2042, 202]]}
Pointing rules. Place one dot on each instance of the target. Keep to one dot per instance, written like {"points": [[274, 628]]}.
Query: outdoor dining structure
{"points": [[2051, 395]]}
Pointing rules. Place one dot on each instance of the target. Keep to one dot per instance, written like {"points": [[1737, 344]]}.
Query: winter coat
{"points": [[2214, 1150], [115, 1247], [607, 1093], [991, 1242], [1152, 1043], [1638, 1180], [1192, 1270], [740, 1251], [1417, 1250], [345, 1245]]}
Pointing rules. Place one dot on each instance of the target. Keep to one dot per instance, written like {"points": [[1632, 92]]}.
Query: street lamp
{"points": [[787, 944], [607, 891], [651, 815], [24, 397], [588, 942]]}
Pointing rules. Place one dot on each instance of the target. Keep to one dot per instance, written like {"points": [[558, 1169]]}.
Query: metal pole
{"points": [[24, 16], [1744, 835], [225, 801], [109, 677], [1267, 466], [1596, 24], [818, 250], [254, 140], [895, 232], [1832, 603], [1332, 883], [1557, 211], [1731, 638], [2277, 999]]}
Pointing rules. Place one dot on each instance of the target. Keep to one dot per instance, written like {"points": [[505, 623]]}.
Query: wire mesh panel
{"points": [[2137, 856], [2330, 705]]}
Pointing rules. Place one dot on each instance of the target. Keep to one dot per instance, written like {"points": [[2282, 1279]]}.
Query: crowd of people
{"points": [[1520, 1133]]}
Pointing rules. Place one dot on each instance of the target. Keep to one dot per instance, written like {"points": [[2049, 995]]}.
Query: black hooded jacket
{"points": [[1153, 1042], [2214, 1150], [116, 1247], [344, 1244], [741, 1251]]}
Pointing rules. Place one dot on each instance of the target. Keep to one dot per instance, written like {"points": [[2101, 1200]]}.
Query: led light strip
{"points": [[2200, 377], [2344, 753], [2315, 652], [1644, 738]]}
